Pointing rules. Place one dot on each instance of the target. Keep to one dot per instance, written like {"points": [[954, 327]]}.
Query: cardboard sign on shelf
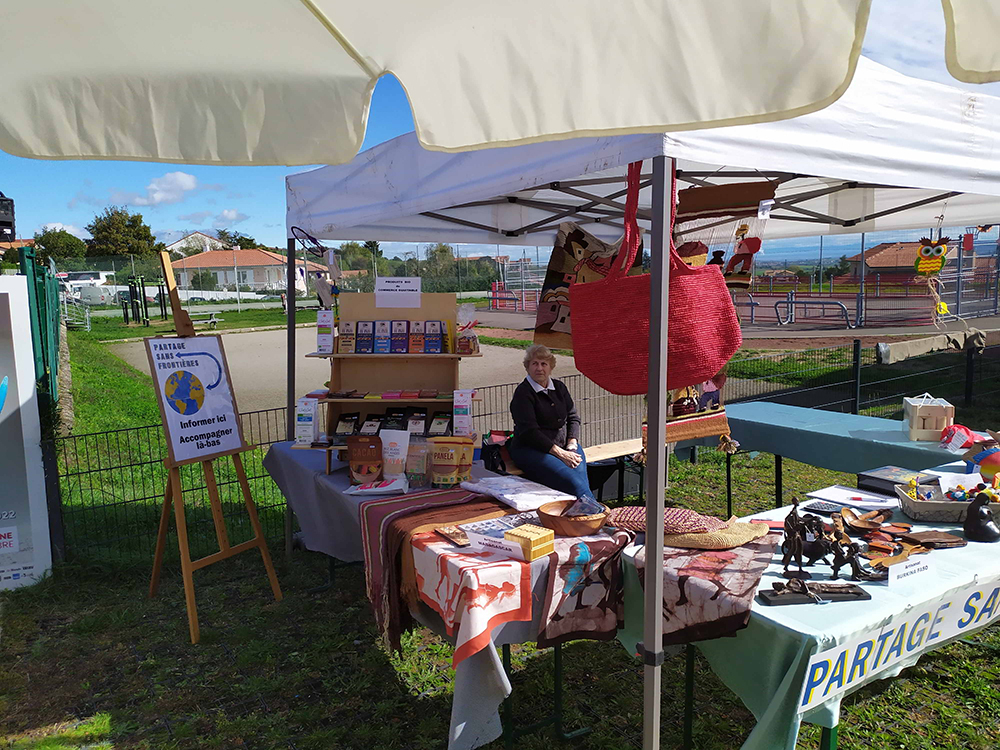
{"points": [[191, 378], [397, 291]]}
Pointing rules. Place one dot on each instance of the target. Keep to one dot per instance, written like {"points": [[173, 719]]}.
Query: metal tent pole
{"points": [[290, 377], [656, 455]]}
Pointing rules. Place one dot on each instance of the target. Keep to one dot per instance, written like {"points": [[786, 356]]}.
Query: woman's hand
{"points": [[571, 458]]}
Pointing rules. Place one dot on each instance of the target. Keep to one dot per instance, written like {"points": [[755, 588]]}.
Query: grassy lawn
{"points": [[88, 661]]}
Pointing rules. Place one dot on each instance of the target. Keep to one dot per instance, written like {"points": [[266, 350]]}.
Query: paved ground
{"points": [[257, 363]]}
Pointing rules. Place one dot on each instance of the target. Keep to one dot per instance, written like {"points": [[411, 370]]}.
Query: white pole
{"points": [[656, 455], [821, 264], [236, 274]]}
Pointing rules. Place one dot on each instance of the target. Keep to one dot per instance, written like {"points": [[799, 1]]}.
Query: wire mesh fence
{"points": [[112, 487], [112, 483]]}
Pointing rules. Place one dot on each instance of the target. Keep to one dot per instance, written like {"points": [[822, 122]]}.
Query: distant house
{"points": [[779, 274], [196, 242], [255, 268], [15, 245], [892, 258]]}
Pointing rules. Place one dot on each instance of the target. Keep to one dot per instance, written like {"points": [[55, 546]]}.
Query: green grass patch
{"points": [[108, 393], [310, 670], [518, 344]]}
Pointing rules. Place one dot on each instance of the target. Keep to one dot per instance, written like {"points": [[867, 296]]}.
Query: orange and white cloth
{"points": [[473, 591]]}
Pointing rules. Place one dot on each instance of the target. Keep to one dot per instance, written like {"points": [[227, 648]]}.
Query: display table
{"points": [[826, 439], [768, 663], [330, 524]]}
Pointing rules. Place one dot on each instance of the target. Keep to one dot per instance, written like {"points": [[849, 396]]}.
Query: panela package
{"points": [[346, 340], [451, 460], [382, 337], [364, 458], [324, 331], [417, 337], [306, 421], [399, 337], [395, 444], [365, 339]]}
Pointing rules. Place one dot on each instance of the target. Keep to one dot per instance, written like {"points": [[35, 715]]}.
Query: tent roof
{"points": [[890, 141]]}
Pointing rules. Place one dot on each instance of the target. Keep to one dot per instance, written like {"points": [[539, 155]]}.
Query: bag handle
{"points": [[631, 240]]}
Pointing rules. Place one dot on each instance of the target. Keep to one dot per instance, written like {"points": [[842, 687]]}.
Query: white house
{"points": [[251, 267]]}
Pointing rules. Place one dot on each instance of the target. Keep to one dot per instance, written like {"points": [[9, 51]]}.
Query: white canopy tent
{"points": [[893, 152], [890, 143]]}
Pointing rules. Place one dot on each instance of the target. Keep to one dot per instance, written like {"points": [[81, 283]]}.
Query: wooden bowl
{"points": [[551, 516]]}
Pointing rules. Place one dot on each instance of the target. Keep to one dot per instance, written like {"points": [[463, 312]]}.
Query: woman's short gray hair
{"points": [[539, 351]]}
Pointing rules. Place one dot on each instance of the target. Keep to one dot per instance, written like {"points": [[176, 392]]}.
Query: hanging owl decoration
{"points": [[932, 256]]}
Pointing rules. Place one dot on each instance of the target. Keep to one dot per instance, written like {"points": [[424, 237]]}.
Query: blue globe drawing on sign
{"points": [[184, 392]]}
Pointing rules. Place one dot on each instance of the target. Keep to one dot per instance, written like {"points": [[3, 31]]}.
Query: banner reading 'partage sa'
{"points": [[191, 377], [875, 653]]}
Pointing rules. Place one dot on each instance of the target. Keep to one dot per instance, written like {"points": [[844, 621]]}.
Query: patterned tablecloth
{"points": [[475, 591]]}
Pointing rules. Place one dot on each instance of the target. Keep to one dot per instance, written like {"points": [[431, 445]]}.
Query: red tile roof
{"points": [[16, 244], [896, 255], [243, 258]]}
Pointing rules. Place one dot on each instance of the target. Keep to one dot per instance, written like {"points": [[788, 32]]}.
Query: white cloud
{"points": [[74, 230], [227, 217], [172, 187], [196, 218]]}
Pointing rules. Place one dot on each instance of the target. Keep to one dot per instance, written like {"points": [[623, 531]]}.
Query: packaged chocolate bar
{"points": [[440, 424], [416, 421], [372, 424], [347, 424], [395, 419]]}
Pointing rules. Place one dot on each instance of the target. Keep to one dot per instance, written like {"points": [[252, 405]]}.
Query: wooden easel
{"points": [[173, 494]]}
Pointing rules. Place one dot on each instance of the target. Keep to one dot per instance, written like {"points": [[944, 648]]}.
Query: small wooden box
{"points": [[924, 417], [535, 541]]}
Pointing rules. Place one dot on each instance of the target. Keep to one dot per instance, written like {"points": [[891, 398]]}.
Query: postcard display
{"points": [[381, 361]]}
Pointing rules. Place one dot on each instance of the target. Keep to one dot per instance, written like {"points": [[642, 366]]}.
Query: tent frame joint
{"points": [[650, 658]]}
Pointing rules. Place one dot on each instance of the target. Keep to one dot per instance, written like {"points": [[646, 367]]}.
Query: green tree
{"points": [[59, 245], [117, 231], [236, 239], [842, 268], [203, 280], [373, 247]]}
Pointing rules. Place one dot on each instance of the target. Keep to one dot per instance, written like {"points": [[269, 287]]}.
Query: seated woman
{"points": [[546, 443]]}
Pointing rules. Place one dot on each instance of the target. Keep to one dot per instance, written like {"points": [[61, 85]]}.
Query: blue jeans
{"points": [[546, 469]]}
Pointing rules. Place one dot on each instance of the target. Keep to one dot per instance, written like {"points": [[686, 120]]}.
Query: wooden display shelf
{"points": [[398, 355]]}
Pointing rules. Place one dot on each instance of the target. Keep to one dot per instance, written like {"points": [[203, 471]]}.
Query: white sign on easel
{"points": [[25, 552], [397, 291], [197, 403]]}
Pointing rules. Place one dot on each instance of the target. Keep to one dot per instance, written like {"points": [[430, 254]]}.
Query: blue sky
{"points": [[907, 35]]}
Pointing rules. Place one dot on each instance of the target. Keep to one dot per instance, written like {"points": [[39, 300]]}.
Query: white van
{"points": [[96, 295]]}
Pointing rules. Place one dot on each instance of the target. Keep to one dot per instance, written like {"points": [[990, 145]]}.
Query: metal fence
{"points": [[112, 483], [43, 301]]}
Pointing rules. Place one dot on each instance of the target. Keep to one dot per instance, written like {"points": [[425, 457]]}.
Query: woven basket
{"points": [[938, 509], [611, 318]]}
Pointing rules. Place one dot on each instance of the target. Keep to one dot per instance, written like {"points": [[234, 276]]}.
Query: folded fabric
{"points": [[675, 520], [517, 492]]}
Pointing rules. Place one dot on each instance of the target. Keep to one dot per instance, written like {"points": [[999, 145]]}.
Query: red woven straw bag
{"points": [[611, 317]]}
